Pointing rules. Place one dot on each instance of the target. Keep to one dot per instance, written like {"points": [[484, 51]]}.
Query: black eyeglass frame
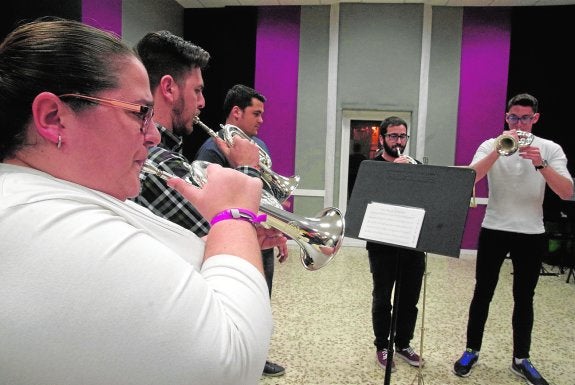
{"points": [[514, 119], [144, 112], [396, 137]]}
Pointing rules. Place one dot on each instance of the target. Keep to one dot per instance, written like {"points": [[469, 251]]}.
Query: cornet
{"points": [[319, 238], [507, 144], [280, 186], [409, 158]]}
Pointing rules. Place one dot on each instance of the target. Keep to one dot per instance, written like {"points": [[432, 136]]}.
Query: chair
{"points": [[570, 274], [561, 230]]}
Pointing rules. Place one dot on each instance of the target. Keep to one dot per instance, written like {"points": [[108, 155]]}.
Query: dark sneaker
{"points": [[410, 356], [381, 359], [527, 371], [273, 370], [462, 366]]}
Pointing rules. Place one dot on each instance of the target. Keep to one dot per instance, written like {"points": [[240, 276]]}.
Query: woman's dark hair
{"points": [[52, 55]]}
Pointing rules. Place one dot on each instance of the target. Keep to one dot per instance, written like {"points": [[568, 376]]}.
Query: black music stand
{"points": [[443, 193]]}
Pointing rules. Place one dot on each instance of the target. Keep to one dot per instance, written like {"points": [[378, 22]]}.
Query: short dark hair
{"points": [[525, 100], [391, 121], [164, 53], [58, 56], [241, 96]]}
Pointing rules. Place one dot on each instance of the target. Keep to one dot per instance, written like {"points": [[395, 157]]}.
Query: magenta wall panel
{"points": [[277, 60], [482, 94], [103, 14]]}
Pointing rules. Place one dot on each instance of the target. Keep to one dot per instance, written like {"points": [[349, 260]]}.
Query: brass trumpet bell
{"points": [[319, 237], [507, 144]]}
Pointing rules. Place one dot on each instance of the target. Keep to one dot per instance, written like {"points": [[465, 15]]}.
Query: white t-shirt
{"points": [[516, 189], [94, 290]]}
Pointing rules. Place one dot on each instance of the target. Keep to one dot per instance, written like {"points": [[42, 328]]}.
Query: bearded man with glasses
{"points": [[513, 224], [387, 263]]}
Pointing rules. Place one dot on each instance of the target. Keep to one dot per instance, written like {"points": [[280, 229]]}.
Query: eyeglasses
{"points": [[143, 112], [395, 137], [513, 119]]}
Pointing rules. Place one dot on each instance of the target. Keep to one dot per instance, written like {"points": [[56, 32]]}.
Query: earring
{"points": [[59, 144]]}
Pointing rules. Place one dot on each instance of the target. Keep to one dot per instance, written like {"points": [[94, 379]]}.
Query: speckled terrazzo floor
{"points": [[323, 333]]}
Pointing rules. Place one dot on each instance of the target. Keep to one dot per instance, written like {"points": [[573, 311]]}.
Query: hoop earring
{"points": [[59, 144]]}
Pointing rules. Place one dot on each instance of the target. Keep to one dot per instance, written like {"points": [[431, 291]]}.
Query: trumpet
{"points": [[409, 158], [506, 144], [280, 186], [319, 237]]}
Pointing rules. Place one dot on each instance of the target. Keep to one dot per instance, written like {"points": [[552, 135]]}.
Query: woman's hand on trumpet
{"points": [[220, 191], [244, 152]]}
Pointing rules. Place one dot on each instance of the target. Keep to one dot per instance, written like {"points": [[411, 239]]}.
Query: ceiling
{"points": [[452, 3]]}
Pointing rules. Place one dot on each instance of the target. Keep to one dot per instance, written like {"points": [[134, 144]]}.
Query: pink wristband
{"points": [[241, 214]]}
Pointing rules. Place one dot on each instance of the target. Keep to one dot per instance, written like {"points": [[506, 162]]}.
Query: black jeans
{"points": [[526, 252], [269, 264], [383, 262]]}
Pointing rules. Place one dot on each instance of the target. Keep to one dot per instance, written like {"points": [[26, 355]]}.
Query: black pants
{"points": [[383, 262], [269, 264], [526, 252]]}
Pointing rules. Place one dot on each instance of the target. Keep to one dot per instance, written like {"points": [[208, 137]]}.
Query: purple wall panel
{"points": [[482, 93], [277, 60], [103, 14]]}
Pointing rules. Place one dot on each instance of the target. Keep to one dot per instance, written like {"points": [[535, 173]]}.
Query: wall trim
{"points": [[331, 109], [424, 81], [308, 193]]}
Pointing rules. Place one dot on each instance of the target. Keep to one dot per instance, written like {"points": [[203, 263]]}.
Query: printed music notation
{"points": [[392, 224]]}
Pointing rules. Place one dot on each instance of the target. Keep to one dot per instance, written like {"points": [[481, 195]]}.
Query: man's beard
{"points": [[392, 151], [179, 127]]}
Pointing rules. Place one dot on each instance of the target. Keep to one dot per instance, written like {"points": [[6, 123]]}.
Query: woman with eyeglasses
{"points": [[513, 224], [96, 289]]}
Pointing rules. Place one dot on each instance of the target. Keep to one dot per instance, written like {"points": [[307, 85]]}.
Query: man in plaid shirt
{"points": [[175, 70]]}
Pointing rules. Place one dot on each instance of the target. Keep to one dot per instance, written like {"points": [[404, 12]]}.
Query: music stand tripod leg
{"points": [[419, 375], [390, 348]]}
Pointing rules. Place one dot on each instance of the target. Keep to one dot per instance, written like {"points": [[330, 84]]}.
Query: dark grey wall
{"points": [[444, 68], [312, 96], [379, 57], [142, 16]]}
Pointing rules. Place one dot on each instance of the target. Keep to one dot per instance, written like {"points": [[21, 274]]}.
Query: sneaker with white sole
{"points": [[527, 371], [410, 356], [381, 359]]}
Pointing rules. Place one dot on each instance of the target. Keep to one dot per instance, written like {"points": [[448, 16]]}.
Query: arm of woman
{"points": [[227, 188]]}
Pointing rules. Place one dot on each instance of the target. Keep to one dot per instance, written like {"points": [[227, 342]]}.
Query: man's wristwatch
{"points": [[542, 166]]}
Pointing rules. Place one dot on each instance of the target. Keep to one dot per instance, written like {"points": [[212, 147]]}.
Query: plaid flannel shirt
{"points": [[163, 200]]}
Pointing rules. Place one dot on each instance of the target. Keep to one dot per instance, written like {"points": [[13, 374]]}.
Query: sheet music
{"points": [[393, 224]]}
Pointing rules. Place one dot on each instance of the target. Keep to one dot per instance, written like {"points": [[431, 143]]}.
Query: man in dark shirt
{"points": [[244, 108], [395, 266]]}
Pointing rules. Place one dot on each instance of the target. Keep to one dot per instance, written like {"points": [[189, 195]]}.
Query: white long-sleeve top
{"points": [[94, 290]]}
